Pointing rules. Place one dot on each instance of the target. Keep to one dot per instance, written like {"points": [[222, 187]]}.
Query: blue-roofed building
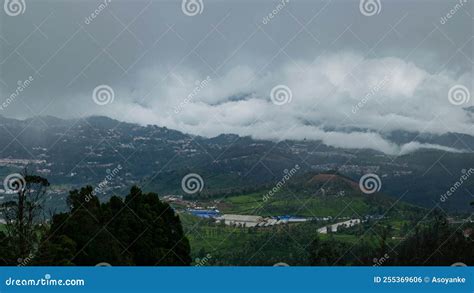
{"points": [[209, 214]]}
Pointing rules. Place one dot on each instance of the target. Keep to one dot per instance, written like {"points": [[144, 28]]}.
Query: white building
{"points": [[244, 220], [333, 227]]}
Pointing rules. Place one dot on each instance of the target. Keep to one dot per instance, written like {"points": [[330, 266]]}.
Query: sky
{"points": [[344, 72]]}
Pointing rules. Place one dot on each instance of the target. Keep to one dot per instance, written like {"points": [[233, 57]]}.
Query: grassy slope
{"points": [[264, 246], [236, 246], [311, 205], [300, 206]]}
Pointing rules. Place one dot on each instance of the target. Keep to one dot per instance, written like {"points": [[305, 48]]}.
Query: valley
{"points": [[73, 153], [259, 202]]}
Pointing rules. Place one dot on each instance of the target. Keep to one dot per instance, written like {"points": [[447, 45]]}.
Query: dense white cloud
{"points": [[343, 99]]}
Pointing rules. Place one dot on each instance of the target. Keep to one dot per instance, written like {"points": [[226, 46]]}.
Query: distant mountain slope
{"points": [[84, 151], [323, 195]]}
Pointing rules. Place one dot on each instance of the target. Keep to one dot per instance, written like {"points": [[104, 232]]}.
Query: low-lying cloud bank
{"points": [[339, 91]]}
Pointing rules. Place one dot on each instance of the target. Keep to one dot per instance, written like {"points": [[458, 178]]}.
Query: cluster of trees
{"points": [[139, 229], [136, 230], [437, 244], [432, 243], [21, 211]]}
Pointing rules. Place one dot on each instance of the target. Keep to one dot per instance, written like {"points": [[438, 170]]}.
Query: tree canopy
{"points": [[139, 230]]}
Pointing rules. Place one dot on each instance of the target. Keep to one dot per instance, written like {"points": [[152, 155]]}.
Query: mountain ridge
{"points": [[79, 152]]}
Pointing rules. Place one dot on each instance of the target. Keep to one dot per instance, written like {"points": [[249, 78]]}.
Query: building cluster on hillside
{"points": [[211, 212], [8, 162], [257, 221]]}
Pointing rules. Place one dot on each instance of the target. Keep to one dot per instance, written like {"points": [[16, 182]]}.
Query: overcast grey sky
{"points": [[348, 77]]}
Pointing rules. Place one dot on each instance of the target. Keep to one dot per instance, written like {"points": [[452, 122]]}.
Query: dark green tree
{"points": [[22, 211], [140, 230], [436, 243], [326, 253]]}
